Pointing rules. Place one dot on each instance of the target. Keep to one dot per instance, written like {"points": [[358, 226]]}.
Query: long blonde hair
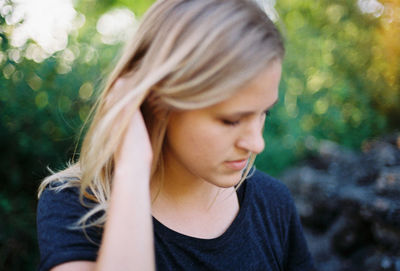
{"points": [[186, 54]]}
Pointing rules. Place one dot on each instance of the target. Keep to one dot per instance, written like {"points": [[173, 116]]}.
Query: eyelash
{"points": [[231, 123], [236, 122]]}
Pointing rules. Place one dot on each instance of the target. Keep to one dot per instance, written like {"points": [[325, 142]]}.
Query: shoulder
{"points": [[270, 196], [263, 185], [62, 205], [59, 237], [272, 199], [61, 199]]}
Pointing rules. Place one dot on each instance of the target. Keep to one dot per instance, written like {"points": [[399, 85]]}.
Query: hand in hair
{"points": [[128, 236], [135, 149], [127, 242]]}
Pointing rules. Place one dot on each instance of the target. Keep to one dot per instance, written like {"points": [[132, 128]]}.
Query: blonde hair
{"points": [[186, 54]]}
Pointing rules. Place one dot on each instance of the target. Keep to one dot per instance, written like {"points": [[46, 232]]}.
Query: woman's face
{"points": [[213, 144]]}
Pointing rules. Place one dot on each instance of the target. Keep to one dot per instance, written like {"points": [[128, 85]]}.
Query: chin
{"points": [[227, 180]]}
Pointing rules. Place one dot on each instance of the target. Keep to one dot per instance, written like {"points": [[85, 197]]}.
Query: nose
{"points": [[251, 138]]}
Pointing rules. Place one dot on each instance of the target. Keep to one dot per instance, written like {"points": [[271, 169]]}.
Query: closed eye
{"points": [[231, 123], [265, 114]]}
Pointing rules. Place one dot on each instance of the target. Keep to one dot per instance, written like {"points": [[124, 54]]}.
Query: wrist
{"points": [[132, 173]]}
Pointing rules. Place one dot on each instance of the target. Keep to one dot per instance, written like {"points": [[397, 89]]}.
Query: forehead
{"points": [[259, 94]]}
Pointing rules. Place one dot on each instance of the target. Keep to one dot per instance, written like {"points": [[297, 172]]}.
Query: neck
{"points": [[191, 205], [184, 191]]}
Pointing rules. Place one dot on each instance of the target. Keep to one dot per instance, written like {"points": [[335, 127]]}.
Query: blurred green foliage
{"points": [[43, 103], [341, 79], [340, 82]]}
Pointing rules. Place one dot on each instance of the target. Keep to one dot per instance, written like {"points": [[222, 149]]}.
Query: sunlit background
{"points": [[340, 83]]}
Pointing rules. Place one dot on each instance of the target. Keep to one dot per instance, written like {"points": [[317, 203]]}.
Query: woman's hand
{"points": [[134, 152], [127, 242]]}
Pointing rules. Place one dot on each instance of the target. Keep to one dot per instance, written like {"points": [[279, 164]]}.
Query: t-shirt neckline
{"points": [[169, 234]]}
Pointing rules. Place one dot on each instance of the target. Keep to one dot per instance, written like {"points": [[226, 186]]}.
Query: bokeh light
{"points": [[47, 22], [117, 25]]}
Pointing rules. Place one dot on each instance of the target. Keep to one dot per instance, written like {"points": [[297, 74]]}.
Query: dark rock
{"points": [[352, 237], [349, 204], [388, 182], [387, 237]]}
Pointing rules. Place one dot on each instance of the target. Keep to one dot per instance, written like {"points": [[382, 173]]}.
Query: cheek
{"points": [[214, 149], [201, 141]]}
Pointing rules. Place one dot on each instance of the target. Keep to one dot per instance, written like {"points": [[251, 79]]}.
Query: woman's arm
{"points": [[127, 242], [128, 235]]}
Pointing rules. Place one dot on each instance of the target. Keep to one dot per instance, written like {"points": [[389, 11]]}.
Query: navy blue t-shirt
{"points": [[265, 235]]}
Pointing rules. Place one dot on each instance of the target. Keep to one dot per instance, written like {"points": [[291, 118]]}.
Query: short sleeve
{"points": [[298, 255], [59, 241]]}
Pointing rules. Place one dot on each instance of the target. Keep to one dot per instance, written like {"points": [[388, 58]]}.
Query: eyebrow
{"points": [[248, 113]]}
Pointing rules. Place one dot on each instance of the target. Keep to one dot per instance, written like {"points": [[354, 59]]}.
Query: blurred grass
{"points": [[340, 82]]}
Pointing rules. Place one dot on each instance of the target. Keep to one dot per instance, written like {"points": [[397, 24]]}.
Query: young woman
{"points": [[160, 181]]}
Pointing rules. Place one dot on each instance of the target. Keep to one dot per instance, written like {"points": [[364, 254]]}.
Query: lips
{"points": [[237, 164]]}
